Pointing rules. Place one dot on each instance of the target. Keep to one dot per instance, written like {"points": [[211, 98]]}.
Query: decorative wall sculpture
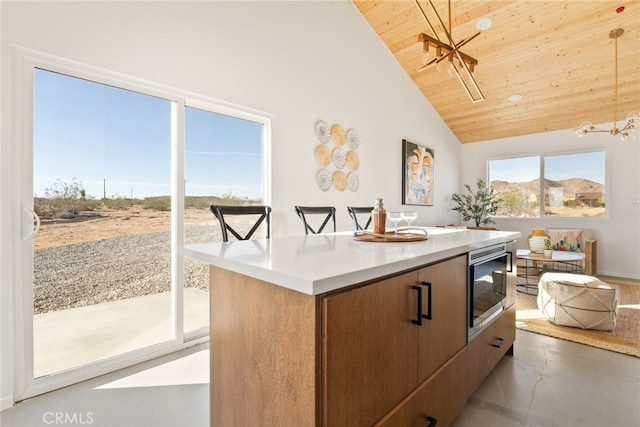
{"points": [[337, 157]]}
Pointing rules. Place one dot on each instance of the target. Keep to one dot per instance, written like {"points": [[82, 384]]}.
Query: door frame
{"points": [[24, 61]]}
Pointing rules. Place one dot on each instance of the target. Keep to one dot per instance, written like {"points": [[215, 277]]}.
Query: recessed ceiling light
{"points": [[484, 24], [515, 97]]}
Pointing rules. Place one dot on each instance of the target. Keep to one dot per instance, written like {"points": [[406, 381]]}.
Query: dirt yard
{"points": [[109, 223]]}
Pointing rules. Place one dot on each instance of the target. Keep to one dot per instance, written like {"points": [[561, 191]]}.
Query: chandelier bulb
{"points": [[450, 67], [633, 118], [425, 53]]}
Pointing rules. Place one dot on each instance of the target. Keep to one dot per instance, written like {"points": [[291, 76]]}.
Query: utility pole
{"points": [[104, 188]]}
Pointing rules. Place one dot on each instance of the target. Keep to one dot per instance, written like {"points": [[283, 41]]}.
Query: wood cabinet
{"points": [[488, 347], [436, 401], [391, 352], [370, 347], [388, 337], [263, 352], [445, 331]]}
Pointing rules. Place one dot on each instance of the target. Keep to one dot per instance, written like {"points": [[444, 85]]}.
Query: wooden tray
{"points": [[389, 236]]}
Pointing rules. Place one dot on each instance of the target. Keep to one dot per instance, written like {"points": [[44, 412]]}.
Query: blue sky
{"points": [[590, 166], [120, 140]]}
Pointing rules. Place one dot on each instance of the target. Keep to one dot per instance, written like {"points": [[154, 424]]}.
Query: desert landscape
{"points": [[109, 255], [109, 223], [580, 197]]}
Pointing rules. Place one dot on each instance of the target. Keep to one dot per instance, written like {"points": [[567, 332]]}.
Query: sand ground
{"points": [[108, 223]]}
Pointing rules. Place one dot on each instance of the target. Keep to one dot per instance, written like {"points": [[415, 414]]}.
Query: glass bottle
{"points": [[379, 217]]}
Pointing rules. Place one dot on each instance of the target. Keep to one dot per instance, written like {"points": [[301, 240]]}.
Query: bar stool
{"points": [[355, 211], [263, 212], [328, 211]]}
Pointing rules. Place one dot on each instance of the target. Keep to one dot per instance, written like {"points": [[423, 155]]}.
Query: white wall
{"points": [[300, 61], [618, 234]]}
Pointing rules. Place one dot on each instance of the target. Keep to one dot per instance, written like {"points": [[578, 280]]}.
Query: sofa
{"points": [[577, 240]]}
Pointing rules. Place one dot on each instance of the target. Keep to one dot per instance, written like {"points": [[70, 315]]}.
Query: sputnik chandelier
{"points": [[633, 119], [450, 52]]}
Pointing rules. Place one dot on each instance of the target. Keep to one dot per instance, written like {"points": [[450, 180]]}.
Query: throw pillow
{"points": [[565, 240]]}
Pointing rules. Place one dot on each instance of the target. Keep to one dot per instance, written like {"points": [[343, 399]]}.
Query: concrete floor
{"points": [[549, 382], [74, 337]]}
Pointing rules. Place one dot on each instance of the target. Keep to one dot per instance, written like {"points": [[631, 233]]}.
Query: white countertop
{"points": [[314, 264]]}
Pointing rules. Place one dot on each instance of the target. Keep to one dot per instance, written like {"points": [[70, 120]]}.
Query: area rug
{"points": [[625, 338]]}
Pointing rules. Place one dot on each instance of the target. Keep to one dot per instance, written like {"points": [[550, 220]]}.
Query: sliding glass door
{"points": [[107, 198], [223, 165], [102, 191]]}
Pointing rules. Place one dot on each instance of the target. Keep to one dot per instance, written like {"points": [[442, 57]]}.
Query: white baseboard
{"points": [[615, 274], [6, 402]]}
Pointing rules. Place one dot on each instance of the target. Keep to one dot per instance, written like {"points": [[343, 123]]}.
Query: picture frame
{"points": [[418, 163]]}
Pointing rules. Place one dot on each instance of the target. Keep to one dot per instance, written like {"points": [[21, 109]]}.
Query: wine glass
{"points": [[409, 216], [395, 218]]}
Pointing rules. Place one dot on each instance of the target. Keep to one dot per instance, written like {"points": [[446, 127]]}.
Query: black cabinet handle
{"points": [[432, 421], [428, 286], [499, 344], [418, 321]]}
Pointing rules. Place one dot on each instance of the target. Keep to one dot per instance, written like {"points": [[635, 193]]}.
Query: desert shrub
{"points": [[65, 199], [513, 204], [574, 203], [161, 204], [199, 202], [228, 199], [117, 202], [43, 208], [203, 202]]}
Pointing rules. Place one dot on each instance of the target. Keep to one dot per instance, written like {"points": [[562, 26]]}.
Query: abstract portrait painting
{"points": [[417, 174]]}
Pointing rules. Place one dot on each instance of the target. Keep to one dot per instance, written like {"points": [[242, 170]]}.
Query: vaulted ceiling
{"points": [[557, 55]]}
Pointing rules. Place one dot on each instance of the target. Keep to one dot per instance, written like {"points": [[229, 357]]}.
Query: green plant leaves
{"points": [[478, 205]]}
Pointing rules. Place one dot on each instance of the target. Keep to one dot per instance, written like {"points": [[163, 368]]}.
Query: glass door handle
{"points": [[28, 218]]}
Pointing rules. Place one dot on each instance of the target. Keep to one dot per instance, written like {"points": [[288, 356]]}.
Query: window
{"points": [[573, 185], [517, 180]]}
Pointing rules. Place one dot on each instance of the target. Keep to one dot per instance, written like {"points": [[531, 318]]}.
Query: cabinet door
{"points": [[445, 331], [487, 348], [369, 351]]}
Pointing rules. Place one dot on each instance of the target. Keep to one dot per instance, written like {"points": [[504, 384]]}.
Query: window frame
{"points": [[541, 176], [25, 61]]}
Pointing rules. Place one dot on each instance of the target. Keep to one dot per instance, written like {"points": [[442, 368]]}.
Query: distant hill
{"points": [[572, 186]]}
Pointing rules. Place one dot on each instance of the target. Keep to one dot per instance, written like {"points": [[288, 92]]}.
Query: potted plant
{"points": [[548, 249], [477, 205]]}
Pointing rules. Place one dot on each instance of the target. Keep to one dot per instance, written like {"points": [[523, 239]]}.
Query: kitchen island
{"points": [[326, 330]]}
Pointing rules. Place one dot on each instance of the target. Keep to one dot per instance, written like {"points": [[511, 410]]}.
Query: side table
{"points": [[532, 266]]}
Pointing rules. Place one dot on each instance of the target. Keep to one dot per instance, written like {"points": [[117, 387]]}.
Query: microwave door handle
{"points": [[472, 271], [510, 262]]}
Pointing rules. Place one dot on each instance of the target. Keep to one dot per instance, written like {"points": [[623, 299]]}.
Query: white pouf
{"points": [[578, 301]]}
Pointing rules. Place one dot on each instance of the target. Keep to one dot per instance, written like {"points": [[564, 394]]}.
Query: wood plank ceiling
{"points": [[556, 54]]}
